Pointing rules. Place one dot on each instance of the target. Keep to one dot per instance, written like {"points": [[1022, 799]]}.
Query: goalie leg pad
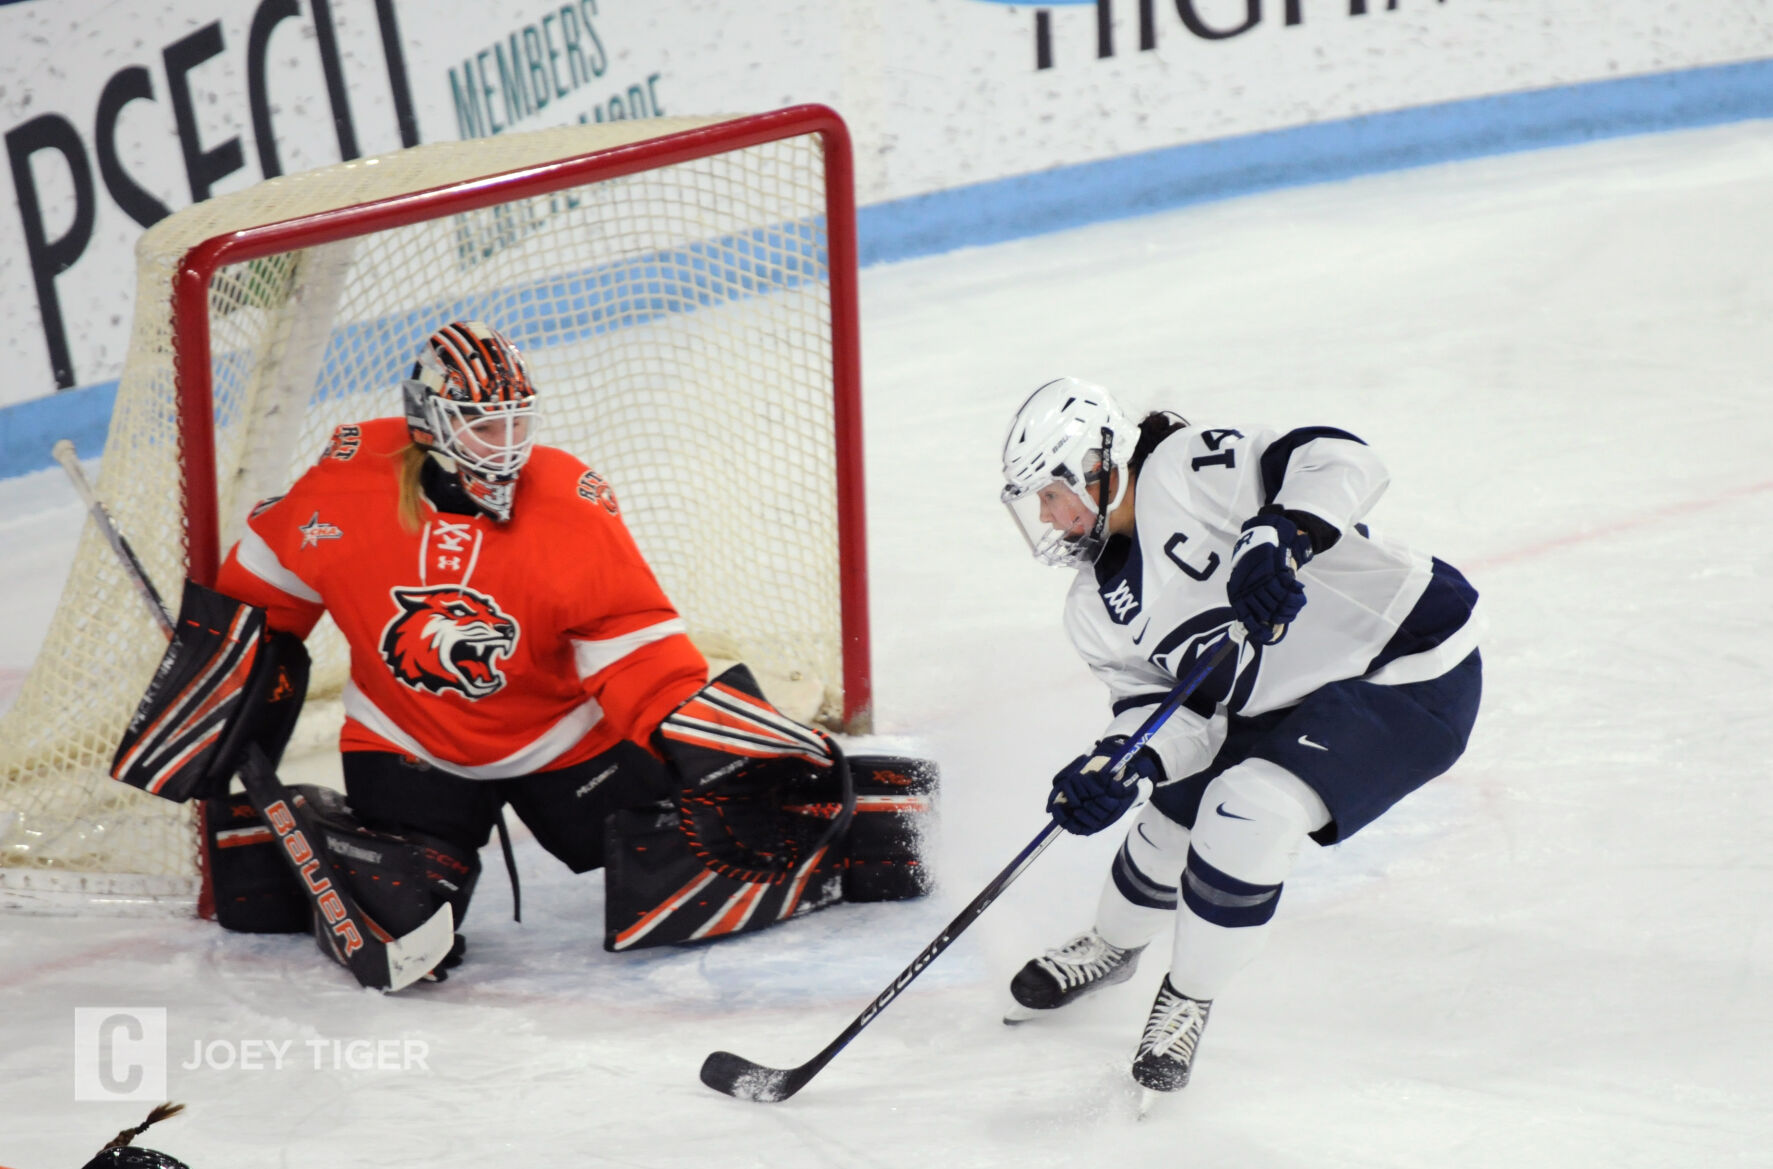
{"points": [[399, 880], [894, 822], [254, 890]]}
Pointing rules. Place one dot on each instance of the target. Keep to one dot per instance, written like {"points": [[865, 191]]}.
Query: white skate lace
{"points": [[1082, 961], [1175, 1025]]}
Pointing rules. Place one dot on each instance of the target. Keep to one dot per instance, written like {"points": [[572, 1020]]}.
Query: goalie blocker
{"points": [[224, 700], [223, 684]]}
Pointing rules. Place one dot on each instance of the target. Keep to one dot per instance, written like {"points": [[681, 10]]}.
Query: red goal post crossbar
{"points": [[191, 333]]}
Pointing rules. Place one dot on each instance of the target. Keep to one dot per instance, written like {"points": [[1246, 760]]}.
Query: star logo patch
{"points": [[316, 530]]}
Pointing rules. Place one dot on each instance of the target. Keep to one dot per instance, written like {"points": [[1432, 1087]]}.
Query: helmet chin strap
{"points": [[1108, 469], [1104, 475]]}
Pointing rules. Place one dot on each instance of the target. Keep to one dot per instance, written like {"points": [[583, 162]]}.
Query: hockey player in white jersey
{"points": [[1359, 680]]}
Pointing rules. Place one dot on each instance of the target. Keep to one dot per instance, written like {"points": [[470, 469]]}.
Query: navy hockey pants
{"points": [[1362, 747]]}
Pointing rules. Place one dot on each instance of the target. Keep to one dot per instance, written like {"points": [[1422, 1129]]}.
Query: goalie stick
{"points": [[739, 1077], [374, 957]]}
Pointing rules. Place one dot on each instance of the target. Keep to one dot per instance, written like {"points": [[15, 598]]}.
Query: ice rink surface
{"points": [[1559, 954]]}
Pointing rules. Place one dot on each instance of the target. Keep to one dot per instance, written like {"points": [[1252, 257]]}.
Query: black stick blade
{"points": [[741, 1079]]}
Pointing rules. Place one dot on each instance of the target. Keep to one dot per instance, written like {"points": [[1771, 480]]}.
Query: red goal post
{"points": [[684, 291], [191, 333]]}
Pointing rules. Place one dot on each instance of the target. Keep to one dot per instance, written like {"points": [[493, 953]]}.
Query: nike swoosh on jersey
{"points": [[1305, 741], [1231, 815]]}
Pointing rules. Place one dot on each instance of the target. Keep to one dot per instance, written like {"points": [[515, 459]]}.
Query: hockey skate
{"points": [[1084, 964], [1172, 1033]]}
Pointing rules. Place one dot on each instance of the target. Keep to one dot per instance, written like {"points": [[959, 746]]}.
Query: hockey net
{"points": [[684, 293]]}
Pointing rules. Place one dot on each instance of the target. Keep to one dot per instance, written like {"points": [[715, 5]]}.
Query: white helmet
{"points": [[1068, 437], [470, 403]]}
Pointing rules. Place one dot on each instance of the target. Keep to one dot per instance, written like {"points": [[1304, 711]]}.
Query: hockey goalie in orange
{"points": [[511, 647]]}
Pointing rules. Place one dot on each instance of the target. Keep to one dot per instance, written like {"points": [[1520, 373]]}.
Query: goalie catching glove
{"points": [[729, 725], [744, 859]]}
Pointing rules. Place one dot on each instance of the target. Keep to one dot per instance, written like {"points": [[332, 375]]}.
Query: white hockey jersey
{"points": [[1145, 611]]}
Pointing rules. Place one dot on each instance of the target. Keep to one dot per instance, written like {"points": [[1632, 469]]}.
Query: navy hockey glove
{"points": [[1263, 590], [1086, 798]]}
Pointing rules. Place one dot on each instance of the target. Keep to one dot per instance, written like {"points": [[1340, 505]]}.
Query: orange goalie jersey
{"points": [[488, 650]]}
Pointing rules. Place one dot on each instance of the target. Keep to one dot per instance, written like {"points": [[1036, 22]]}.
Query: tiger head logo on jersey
{"points": [[447, 637]]}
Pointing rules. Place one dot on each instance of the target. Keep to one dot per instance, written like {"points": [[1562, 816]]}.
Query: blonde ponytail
{"points": [[412, 458]]}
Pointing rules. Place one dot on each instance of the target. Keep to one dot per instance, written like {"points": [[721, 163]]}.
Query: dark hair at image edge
{"points": [[1153, 429]]}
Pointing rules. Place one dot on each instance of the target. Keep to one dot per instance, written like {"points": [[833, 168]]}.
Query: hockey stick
{"points": [[101, 515], [377, 959], [739, 1077]]}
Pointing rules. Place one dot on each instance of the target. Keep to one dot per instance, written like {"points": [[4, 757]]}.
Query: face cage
{"points": [[489, 479], [1049, 544], [493, 425]]}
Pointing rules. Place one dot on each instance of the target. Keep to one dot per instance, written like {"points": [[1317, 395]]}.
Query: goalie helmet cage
{"points": [[684, 292]]}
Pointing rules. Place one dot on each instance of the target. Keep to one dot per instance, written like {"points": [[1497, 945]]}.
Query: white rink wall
{"points": [[117, 114]]}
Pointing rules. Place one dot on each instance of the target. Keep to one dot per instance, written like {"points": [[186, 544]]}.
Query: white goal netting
{"points": [[678, 321]]}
